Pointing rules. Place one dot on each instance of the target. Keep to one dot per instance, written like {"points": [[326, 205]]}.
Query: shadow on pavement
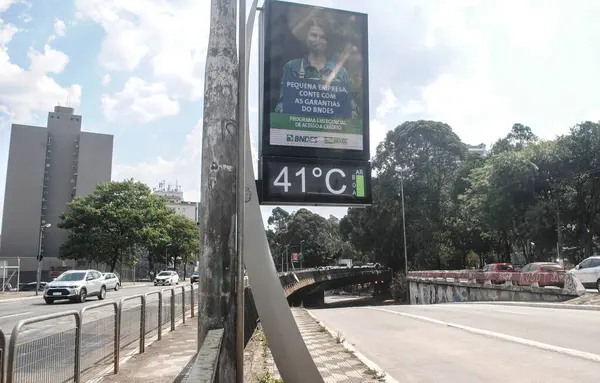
{"points": [[366, 301]]}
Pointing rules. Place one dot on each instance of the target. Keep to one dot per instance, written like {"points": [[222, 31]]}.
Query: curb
{"points": [[562, 306], [363, 359]]}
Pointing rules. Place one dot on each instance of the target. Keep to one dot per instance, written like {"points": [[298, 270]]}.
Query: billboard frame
{"points": [[264, 147]]}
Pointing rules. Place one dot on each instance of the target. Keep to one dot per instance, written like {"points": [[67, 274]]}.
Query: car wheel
{"points": [[49, 301], [118, 286], [102, 295], [598, 285], [155, 283], [82, 296]]}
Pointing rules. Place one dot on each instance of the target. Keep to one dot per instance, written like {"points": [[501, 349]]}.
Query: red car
{"points": [[497, 268], [530, 274]]}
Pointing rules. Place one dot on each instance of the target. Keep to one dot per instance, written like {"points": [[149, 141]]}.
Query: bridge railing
{"points": [[556, 278], [94, 341]]}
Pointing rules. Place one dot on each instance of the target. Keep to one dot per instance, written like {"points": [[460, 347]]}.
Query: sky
{"points": [[135, 69]]}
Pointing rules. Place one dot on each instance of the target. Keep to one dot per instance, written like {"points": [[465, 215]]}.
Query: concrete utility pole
{"points": [[218, 265]]}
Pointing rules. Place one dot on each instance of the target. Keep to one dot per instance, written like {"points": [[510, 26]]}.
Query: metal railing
{"points": [[2, 355], [94, 344]]}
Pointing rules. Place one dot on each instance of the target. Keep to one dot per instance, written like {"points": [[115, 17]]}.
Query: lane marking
{"points": [[509, 338], [479, 308], [15, 315]]}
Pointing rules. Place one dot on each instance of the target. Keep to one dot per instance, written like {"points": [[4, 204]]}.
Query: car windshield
{"points": [[196, 273], [505, 267], [164, 273], [71, 277]]}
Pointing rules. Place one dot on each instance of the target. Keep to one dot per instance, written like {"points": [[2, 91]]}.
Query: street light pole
{"points": [[301, 253], [39, 259], [404, 224], [167, 256]]}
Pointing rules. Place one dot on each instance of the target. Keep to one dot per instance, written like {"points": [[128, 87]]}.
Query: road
{"points": [[473, 342], [14, 311]]}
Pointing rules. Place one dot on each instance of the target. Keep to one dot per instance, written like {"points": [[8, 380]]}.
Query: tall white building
{"points": [[173, 194], [477, 149]]}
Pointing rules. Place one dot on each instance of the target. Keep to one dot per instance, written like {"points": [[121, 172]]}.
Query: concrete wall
{"points": [[95, 161], [64, 128], [23, 195], [426, 291]]}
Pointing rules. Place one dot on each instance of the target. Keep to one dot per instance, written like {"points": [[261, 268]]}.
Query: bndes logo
{"points": [[309, 139]]}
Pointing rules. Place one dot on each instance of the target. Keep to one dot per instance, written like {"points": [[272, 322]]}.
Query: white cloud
{"points": [[184, 168], [5, 4], [26, 92], [171, 36], [139, 101], [106, 79], [59, 27], [479, 66]]}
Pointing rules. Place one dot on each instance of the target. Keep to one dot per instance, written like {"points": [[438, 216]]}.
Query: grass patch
{"points": [[268, 378]]}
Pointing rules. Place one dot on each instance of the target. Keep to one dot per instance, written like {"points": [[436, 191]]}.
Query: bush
{"points": [[399, 287]]}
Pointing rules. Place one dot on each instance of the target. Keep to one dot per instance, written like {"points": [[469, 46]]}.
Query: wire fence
{"points": [[2, 355], [91, 342]]}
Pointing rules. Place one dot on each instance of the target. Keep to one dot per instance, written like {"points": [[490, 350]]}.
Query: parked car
{"points": [[76, 286], [497, 268], [195, 277], [588, 272], [542, 267], [113, 282], [167, 278], [31, 286]]}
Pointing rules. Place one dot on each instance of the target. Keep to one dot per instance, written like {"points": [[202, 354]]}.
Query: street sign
{"points": [[291, 180], [295, 257], [315, 100]]}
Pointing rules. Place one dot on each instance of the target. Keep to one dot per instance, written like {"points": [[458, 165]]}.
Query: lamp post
{"points": [[301, 253], [167, 256], [40, 257]]}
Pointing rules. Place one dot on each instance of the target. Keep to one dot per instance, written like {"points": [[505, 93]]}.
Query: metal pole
{"points": [[301, 254], [241, 190], [18, 272], [39, 263], [404, 224]]}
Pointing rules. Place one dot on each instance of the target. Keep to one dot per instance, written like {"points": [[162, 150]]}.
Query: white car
{"points": [[588, 272], [112, 281], [166, 278], [76, 285]]}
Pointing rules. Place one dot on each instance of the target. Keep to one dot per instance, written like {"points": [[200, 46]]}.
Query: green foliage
{"points": [[465, 210], [319, 239], [120, 220]]}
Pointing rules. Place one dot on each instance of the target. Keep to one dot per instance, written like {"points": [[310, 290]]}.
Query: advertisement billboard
{"points": [[314, 84]]}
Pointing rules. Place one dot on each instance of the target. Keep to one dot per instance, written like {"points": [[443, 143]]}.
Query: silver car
{"points": [[112, 281], [76, 286]]}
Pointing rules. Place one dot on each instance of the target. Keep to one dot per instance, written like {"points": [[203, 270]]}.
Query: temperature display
{"points": [[323, 182]]}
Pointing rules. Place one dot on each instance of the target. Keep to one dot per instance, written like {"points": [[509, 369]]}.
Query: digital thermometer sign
{"points": [[315, 181]]}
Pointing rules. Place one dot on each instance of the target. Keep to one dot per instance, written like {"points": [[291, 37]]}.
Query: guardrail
{"points": [[535, 279], [2, 355], [95, 343]]}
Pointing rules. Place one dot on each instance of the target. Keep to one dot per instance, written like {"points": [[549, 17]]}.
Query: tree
{"points": [[184, 239], [107, 225]]}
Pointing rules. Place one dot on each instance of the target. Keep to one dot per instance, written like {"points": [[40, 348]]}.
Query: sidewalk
{"points": [[164, 361], [334, 361]]}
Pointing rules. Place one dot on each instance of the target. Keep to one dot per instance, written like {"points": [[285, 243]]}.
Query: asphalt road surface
{"points": [[473, 342], [14, 311]]}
